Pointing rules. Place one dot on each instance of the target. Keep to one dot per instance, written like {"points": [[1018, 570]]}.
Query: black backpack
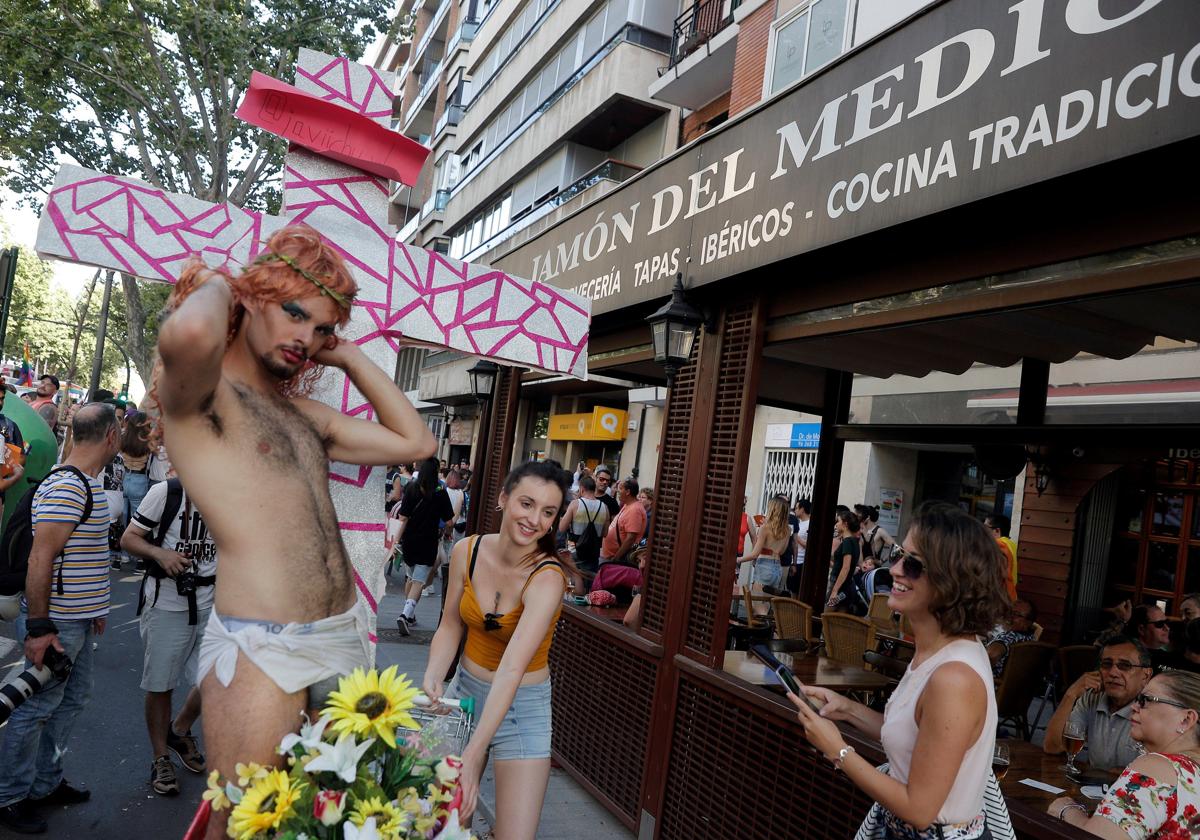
{"points": [[587, 544], [171, 507], [18, 536]]}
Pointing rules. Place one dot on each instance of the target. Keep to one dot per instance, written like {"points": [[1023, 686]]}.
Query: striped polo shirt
{"points": [[85, 559]]}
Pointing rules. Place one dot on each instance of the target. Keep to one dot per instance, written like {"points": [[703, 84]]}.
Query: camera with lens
{"points": [[185, 583], [56, 667]]}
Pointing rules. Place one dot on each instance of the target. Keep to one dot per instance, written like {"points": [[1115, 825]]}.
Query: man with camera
{"points": [[174, 605], [65, 605]]}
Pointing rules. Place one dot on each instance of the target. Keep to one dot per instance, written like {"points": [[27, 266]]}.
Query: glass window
{"points": [[1123, 564], [1162, 560], [826, 33], [1131, 506], [618, 14], [789, 53], [593, 34], [1193, 570], [1154, 385], [1168, 515]]}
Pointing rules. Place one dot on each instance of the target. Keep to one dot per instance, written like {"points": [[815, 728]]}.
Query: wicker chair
{"points": [[1023, 678], [755, 629], [879, 613], [793, 619], [847, 637]]}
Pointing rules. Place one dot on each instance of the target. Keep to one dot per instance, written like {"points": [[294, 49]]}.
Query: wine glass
{"points": [[1074, 737], [1000, 760]]}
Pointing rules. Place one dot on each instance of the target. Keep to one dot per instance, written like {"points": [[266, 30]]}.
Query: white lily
{"points": [[309, 737], [452, 830], [341, 758], [366, 831]]}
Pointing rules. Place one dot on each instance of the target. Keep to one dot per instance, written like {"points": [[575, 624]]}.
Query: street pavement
{"points": [[109, 752]]}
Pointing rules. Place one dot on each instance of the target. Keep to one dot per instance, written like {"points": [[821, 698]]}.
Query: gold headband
{"points": [[338, 298]]}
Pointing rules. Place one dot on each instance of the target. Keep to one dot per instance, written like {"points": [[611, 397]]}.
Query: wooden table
{"points": [[1030, 762], [894, 640], [812, 670], [608, 613]]}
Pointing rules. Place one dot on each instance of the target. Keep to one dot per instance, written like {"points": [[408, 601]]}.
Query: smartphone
{"points": [[781, 671]]}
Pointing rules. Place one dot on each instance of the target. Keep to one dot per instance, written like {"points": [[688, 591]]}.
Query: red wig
{"points": [[295, 263]]}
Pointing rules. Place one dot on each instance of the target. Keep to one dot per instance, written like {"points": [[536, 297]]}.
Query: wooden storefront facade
{"points": [[1100, 259]]}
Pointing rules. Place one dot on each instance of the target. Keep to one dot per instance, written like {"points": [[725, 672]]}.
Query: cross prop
{"points": [[405, 292]]}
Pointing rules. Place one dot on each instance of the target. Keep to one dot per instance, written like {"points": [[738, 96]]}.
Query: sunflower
{"points": [[389, 820], [371, 703], [264, 806]]}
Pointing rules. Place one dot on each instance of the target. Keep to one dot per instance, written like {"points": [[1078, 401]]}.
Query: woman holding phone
{"points": [[939, 728]]}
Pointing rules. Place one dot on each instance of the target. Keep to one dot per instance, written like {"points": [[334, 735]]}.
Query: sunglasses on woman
{"points": [[914, 566], [1143, 699]]}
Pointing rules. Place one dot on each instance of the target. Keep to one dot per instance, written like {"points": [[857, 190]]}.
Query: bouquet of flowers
{"points": [[364, 770]]}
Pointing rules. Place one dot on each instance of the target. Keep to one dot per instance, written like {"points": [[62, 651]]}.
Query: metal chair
{"points": [[847, 637], [793, 619], [1023, 677]]}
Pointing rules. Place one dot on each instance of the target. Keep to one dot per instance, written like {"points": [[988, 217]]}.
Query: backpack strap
{"points": [[170, 508], [87, 514], [153, 570]]}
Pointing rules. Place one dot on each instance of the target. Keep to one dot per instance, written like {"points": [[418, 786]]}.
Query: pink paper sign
{"points": [[331, 130]]}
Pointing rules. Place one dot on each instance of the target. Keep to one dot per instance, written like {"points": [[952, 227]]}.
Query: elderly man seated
{"points": [[1102, 702], [1018, 628]]}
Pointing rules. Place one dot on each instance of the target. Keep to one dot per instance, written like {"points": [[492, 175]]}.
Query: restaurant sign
{"points": [[969, 99]]}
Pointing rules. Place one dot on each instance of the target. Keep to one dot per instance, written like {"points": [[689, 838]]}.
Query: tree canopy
{"points": [[149, 88], [43, 314]]}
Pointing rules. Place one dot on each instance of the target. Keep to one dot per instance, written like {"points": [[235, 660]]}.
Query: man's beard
{"points": [[280, 370]]}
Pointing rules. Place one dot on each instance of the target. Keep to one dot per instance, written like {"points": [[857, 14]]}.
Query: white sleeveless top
{"points": [[899, 733]]}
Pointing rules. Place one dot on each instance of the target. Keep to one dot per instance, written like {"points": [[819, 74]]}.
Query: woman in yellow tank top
{"points": [[505, 594]]}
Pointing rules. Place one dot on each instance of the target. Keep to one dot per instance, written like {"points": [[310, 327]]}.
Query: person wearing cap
{"points": [[44, 403]]}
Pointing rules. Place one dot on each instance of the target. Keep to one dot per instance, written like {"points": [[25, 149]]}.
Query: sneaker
{"points": [[162, 776], [64, 794], [402, 625], [412, 622], [184, 746], [22, 818]]}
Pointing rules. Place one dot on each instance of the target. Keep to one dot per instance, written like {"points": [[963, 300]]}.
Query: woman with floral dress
{"points": [[1158, 795]]}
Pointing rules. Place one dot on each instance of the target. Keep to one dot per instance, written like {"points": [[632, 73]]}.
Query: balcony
{"points": [[436, 203], [431, 30], [465, 34], [705, 34], [451, 116], [427, 78]]}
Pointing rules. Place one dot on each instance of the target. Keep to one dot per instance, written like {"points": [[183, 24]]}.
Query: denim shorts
{"points": [[526, 729], [418, 572], [768, 572]]}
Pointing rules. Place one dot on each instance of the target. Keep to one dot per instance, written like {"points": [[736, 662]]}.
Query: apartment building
{"points": [[531, 108]]}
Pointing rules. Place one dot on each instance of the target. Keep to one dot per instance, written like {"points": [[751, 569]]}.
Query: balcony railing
{"points": [[452, 115], [702, 20], [428, 78], [436, 203], [427, 36], [465, 33]]}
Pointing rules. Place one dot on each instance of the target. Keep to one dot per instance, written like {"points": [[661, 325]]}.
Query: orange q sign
{"points": [[602, 424]]}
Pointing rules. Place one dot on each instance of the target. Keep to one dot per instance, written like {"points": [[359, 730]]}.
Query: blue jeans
{"points": [[768, 572], [136, 485], [35, 739]]}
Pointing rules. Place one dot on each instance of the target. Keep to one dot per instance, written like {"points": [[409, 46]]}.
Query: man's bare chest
{"points": [[262, 432]]}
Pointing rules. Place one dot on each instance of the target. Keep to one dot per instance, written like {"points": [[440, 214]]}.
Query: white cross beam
{"points": [[404, 291]]}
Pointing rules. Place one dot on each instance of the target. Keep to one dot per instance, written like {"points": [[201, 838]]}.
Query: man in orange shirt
{"points": [[626, 531], [1000, 525]]}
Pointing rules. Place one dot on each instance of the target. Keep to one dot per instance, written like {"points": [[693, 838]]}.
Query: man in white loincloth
{"points": [[253, 452]]}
